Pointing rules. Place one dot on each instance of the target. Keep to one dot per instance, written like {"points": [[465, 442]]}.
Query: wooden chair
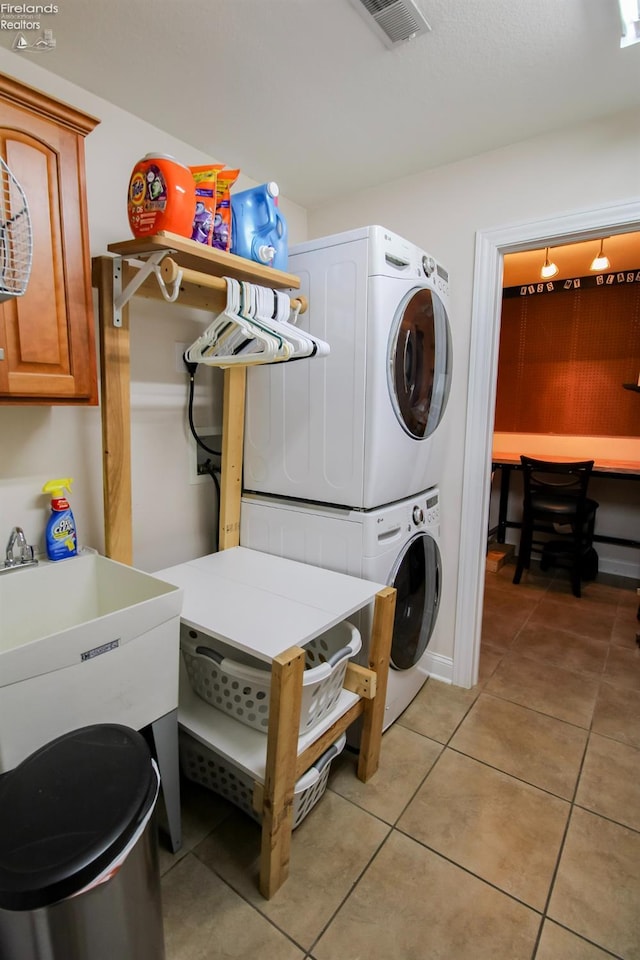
{"points": [[556, 506]]}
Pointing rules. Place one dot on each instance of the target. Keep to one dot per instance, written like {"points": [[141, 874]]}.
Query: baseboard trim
{"points": [[620, 568], [625, 569], [439, 667]]}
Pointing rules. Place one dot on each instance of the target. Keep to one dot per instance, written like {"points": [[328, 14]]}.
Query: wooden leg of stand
{"points": [[280, 772], [232, 448], [373, 714], [116, 417]]}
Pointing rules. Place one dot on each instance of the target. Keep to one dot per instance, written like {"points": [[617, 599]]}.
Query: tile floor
{"points": [[504, 822]]}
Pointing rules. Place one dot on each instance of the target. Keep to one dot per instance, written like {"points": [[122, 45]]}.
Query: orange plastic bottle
{"points": [[161, 197]]}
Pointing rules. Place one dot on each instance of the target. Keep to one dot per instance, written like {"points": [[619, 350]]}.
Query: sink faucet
{"points": [[19, 552]]}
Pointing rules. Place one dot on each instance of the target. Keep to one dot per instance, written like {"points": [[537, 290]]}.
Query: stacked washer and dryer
{"points": [[343, 457]]}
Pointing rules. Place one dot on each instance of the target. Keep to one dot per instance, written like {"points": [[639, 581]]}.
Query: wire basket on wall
{"points": [[16, 241]]}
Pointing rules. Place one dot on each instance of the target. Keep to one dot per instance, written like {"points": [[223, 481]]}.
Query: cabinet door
{"points": [[48, 333]]}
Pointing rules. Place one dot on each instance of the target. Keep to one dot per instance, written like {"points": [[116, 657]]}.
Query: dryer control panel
{"points": [[435, 272]]}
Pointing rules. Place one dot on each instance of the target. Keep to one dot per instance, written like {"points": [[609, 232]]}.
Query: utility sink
{"points": [[85, 640]]}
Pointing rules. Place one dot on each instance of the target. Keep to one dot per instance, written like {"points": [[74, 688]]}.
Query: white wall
{"points": [[173, 520], [577, 169]]}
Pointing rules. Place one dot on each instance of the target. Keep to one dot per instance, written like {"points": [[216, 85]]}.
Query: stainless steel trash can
{"points": [[79, 876]]}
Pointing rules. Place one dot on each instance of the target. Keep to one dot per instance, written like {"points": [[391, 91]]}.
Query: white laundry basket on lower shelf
{"points": [[203, 765], [242, 689]]}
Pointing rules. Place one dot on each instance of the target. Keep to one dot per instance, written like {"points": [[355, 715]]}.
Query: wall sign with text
{"points": [[573, 283]]}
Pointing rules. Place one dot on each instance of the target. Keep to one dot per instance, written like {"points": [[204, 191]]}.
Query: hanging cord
{"points": [[208, 467], [191, 370], [214, 473]]}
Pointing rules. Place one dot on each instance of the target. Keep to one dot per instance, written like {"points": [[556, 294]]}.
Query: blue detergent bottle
{"points": [[60, 537], [258, 229]]}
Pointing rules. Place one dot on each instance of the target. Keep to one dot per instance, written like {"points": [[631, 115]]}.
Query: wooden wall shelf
{"points": [[198, 256]]}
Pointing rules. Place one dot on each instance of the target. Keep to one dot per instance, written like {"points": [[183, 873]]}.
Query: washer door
{"points": [[419, 368], [416, 577]]}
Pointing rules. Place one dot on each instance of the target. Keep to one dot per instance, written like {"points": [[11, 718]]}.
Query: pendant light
{"points": [[601, 262], [548, 269]]}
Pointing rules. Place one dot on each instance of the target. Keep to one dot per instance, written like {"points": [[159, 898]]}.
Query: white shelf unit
{"points": [[268, 607], [242, 746]]}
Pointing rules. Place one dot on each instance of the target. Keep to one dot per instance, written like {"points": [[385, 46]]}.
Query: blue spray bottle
{"points": [[61, 538], [258, 229]]}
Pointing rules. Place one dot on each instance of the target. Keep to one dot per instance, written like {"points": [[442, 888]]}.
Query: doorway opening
{"points": [[491, 246]]}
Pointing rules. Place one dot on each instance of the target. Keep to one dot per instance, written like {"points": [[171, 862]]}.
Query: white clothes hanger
{"points": [[227, 339], [254, 300], [254, 328], [277, 306]]}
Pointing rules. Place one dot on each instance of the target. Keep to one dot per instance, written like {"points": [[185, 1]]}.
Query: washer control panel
{"points": [[427, 512], [432, 514]]}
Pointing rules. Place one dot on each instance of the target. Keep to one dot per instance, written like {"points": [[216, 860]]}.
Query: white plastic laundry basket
{"points": [[242, 690], [203, 765]]}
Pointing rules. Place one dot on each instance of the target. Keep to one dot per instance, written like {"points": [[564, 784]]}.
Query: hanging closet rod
{"points": [[173, 273]]}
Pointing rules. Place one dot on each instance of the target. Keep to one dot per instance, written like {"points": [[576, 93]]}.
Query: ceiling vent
{"points": [[395, 21]]}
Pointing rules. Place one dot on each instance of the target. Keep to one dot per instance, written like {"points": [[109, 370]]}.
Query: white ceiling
{"points": [[304, 93]]}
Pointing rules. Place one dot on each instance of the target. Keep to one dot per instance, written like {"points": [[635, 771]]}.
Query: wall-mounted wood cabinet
{"points": [[47, 336]]}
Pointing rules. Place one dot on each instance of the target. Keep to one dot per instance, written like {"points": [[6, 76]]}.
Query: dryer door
{"points": [[416, 577], [419, 363]]}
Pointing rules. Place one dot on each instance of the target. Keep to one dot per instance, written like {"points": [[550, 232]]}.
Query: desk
{"points": [[269, 607], [612, 469]]}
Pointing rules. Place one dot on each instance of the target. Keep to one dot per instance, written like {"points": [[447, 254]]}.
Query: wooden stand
{"points": [[117, 281]]}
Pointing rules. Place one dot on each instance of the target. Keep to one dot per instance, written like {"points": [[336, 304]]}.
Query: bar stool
{"points": [[556, 504]]}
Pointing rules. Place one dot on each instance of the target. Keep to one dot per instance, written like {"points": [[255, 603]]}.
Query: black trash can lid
{"points": [[68, 810]]}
